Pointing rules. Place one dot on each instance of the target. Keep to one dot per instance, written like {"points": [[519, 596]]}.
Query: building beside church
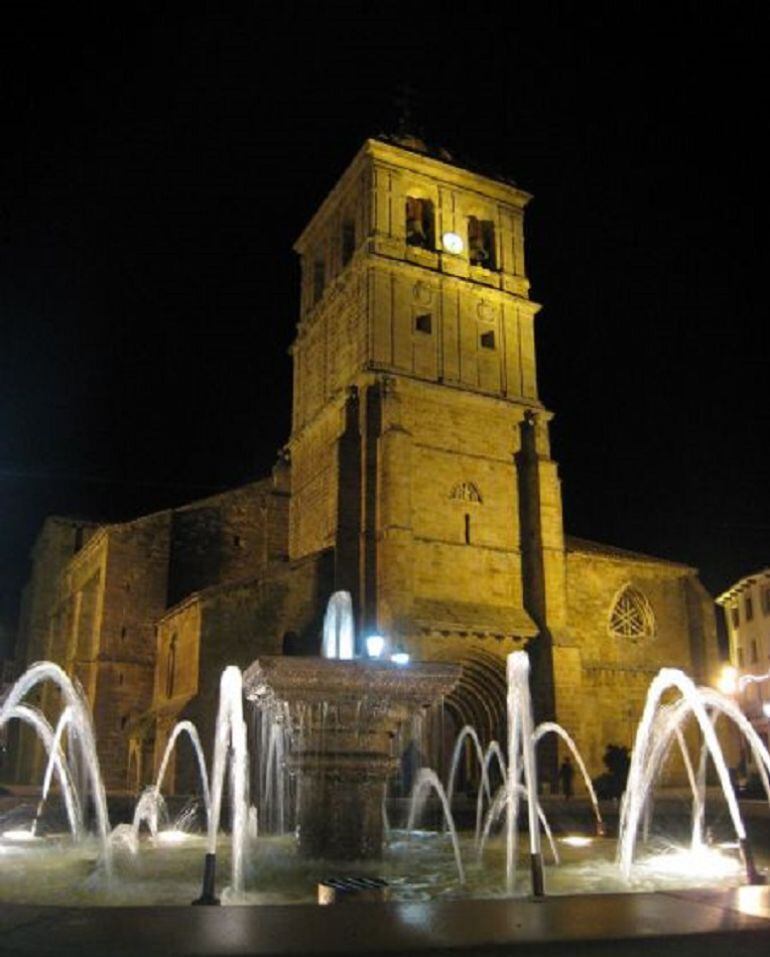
{"points": [[418, 476], [746, 607]]}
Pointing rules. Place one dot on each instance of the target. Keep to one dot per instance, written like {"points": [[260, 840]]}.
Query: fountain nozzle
{"points": [[536, 866], [208, 897], [747, 856]]}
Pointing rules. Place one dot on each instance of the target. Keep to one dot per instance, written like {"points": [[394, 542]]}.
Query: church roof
{"points": [[584, 545]]}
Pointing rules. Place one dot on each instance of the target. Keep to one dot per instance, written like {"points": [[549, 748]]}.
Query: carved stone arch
{"points": [[479, 698], [466, 492], [630, 617]]}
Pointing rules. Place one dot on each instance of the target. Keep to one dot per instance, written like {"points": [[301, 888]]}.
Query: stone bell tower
{"points": [[419, 447]]}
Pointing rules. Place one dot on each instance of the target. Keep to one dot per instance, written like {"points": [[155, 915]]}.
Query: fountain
{"points": [[332, 725], [342, 717]]}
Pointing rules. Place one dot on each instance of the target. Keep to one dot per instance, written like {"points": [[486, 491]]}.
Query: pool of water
{"points": [[418, 866]]}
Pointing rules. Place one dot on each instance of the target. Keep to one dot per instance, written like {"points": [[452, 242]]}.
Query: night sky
{"points": [[156, 168]]}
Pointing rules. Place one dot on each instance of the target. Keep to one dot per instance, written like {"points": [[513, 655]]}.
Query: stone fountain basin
{"points": [[313, 680], [681, 924], [343, 719]]}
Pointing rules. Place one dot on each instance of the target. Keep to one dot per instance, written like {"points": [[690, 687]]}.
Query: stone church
{"points": [[418, 476]]}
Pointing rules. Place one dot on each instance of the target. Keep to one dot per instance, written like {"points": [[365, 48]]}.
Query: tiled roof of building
{"points": [[731, 593]]}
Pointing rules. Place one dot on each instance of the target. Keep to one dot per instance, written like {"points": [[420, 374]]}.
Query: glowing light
{"points": [[766, 709], [727, 682], [375, 645], [400, 658], [700, 862], [18, 835], [172, 837], [576, 840], [452, 243]]}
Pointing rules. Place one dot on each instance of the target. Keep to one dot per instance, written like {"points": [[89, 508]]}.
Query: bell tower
{"points": [[419, 446]]}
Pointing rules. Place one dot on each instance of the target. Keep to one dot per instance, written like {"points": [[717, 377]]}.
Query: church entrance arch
{"points": [[479, 700]]}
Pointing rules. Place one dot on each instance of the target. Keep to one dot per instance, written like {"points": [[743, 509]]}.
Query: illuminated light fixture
{"points": [[400, 658], [727, 682], [172, 837], [766, 709], [698, 862], [375, 645], [576, 840], [452, 243]]}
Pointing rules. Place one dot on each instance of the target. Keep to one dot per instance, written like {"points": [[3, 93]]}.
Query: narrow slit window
{"points": [[319, 280], [348, 241], [487, 340], [467, 529], [424, 323], [171, 668]]}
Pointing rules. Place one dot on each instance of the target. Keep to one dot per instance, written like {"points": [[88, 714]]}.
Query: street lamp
{"points": [[727, 682]]}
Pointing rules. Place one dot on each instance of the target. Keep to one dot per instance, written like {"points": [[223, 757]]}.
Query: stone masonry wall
{"points": [[610, 673], [232, 625]]}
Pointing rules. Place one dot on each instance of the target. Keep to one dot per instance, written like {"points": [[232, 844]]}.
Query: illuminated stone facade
{"points": [[746, 606], [418, 476]]}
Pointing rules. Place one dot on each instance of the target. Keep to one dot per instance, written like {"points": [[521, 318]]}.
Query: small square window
{"points": [[424, 323], [487, 340]]}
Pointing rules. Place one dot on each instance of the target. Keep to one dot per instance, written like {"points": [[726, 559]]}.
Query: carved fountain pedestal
{"points": [[343, 718]]}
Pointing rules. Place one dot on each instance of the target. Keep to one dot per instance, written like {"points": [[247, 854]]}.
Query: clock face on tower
{"points": [[452, 243]]}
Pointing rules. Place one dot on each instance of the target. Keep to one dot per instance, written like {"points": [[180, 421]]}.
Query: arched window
{"points": [[419, 223], [481, 242], [631, 616], [171, 667]]}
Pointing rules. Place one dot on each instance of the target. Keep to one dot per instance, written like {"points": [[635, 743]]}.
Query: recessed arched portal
{"points": [[479, 699]]}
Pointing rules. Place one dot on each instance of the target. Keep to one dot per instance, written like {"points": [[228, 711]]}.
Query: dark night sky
{"points": [[155, 170]]}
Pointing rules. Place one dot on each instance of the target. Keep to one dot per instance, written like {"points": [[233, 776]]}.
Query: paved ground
{"points": [[737, 922]]}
